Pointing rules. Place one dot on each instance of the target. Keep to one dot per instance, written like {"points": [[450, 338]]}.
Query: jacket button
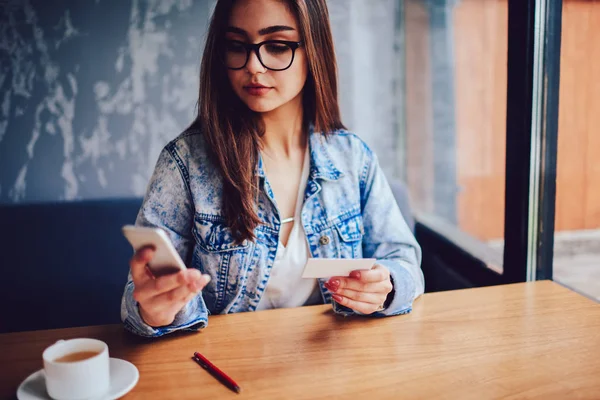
{"points": [[324, 240]]}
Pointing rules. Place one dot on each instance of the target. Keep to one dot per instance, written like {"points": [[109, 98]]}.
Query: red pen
{"points": [[216, 372]]}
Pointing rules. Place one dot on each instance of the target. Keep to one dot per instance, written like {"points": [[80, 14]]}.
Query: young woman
{"points": [[265, 178]]}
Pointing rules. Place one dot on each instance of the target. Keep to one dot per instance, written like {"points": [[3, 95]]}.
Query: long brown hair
{"points": [[232, 130]]}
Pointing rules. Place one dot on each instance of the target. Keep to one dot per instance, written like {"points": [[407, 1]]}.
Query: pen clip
{"points": [[200, 363]]}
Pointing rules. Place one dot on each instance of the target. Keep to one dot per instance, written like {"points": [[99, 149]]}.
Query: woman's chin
{"points": [[260, 105]]}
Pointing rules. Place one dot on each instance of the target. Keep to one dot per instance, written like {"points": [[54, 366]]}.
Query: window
{"points": [[454, 130], [577, 221]]}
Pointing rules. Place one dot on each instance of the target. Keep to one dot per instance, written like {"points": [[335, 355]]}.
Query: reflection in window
{"points": [[577, 220], [455, 121]]}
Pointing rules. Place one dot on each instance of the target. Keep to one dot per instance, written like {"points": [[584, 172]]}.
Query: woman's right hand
{"points": [[161, 298]]}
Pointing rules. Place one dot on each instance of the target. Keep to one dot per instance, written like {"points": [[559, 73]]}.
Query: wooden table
{"points": [[533, 340]]}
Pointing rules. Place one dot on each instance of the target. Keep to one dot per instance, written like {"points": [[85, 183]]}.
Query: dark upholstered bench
{"points": [[63, 264]]}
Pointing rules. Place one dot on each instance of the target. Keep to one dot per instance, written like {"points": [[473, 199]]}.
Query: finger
{"points": [[379, 273], [149, 273], [198, 280], [163, 284], [153, 287], [338, 283], [162, 303], [362, 297], [177, 297], [138, 264], [364, 308], [173, 308]]}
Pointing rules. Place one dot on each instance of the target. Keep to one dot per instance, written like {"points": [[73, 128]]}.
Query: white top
{"points": [[286, 287]]}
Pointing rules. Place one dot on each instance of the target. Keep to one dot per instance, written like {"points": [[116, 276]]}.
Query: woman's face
{"points": [[261, 89]]}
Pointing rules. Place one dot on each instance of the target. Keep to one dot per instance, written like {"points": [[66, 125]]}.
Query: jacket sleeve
{"points": [[388, 239], [167, 205]]}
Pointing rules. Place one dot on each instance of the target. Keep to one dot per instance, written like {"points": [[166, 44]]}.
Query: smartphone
{"points": [[166, 259]]}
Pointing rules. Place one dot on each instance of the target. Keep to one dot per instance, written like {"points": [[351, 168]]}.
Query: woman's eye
{"points": [[277, 48], [234, 47]]}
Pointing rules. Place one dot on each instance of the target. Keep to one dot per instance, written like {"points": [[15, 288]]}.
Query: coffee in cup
{"points": [[77, 356]]}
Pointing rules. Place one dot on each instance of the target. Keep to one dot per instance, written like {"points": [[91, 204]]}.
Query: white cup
{"points": [[78, 379]]}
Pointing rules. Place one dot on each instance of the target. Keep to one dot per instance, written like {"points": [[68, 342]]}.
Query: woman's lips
{"points": [[257, 90]]}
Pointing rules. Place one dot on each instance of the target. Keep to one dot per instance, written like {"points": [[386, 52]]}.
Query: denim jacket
{"points": [[349, 212]]}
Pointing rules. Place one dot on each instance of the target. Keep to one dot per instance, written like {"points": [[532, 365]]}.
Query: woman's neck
{"points": [[284, 130]]}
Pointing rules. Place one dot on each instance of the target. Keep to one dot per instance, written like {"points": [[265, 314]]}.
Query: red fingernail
{"points": [[333, 286], [355, 274], [337, 298]]}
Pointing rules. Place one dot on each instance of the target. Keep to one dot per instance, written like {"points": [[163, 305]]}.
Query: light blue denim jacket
{"points": [[347, 200]]}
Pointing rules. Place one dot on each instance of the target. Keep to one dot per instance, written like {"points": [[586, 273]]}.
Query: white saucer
{"points": [[123, 377]]}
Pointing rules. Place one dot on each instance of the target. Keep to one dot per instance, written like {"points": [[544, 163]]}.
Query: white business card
{"points": [[328, 267]]}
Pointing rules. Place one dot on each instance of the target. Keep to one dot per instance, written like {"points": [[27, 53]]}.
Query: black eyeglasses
{"points": [[275, 55]]}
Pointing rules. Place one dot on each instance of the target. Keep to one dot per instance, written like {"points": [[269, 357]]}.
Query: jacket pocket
{"points": [[214, 236], [218, 255], [349, 231]]}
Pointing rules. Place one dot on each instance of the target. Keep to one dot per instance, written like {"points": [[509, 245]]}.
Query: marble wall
{"points": [[90, 90]]}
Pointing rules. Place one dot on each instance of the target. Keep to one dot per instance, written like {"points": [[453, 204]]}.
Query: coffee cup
{"points": [[76, 369]]}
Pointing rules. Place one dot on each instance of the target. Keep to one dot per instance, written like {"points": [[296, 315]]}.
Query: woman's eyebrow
{"points": [[263, 31], [235, 29], [274, 29]]}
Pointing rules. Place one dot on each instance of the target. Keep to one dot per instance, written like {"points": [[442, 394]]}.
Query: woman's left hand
{"points": [[364, 291]]}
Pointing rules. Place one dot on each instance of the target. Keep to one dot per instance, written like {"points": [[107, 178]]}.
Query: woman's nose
{"points": [[254, 65]]}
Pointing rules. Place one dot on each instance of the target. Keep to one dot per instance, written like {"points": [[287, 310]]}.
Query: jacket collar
{"points": [[322, 165]]}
